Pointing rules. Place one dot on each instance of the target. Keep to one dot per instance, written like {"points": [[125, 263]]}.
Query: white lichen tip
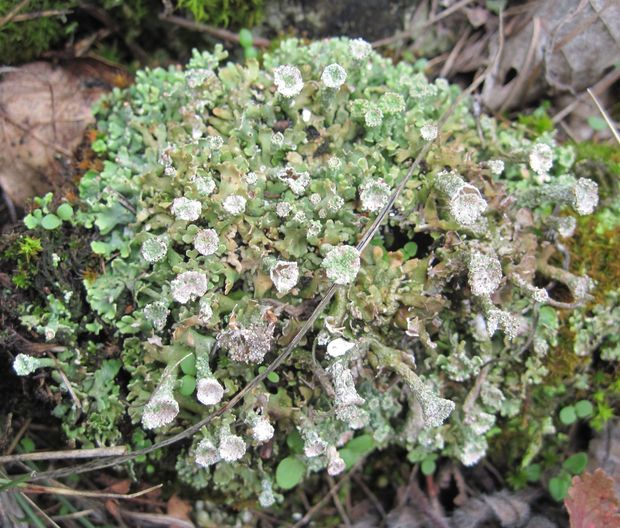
{"points": [[436, 410], [206, 453], [154, 249], [284, 275], [334, 76], [186, 209], [373, 117], [231, 448], [262, 430], [283, 209], [188, 285], [585, 196], [467, 205], [541, 159], [374, 195], [157, 313], [209, 391], [339, 347], [277, 139], [485, 273], [392, 103], [342, 264], [335, 463], [23, 365], [266, 497], [496, 166], [205, 312], [429, 132], [203, 185], [162, 408], [509, 324], [314, 445], [464, 200], [566, 226], [288, 80], [206, 242], [234, 204], [360, 49], [473, 450], [215, 142]]}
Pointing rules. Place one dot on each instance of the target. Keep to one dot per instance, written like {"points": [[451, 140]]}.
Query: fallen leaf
{"points": [[179, 509], [44, 111]]}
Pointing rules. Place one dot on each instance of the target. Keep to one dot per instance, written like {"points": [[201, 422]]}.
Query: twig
{"points": [[41, 14], [406, 34], [312, 511], [421, 503], [305, 327], [472, 395], [599, 87], [371, 496], [219, 33], [13, 12], [65, 454], [37, 489], [157, 519], [74, 515], [18, 436], [605, 116], [30, 502], [337, 503]]}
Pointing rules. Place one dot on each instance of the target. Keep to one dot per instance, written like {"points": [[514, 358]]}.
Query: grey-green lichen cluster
{"points": [[233, 196]]}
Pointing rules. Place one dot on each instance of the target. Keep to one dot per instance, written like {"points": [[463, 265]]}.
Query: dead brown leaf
{"points": [[179, 509], [44, 111], [564, 44]]}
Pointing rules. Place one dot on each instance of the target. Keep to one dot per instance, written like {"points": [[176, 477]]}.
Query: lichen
{"points": [[247, 191]]}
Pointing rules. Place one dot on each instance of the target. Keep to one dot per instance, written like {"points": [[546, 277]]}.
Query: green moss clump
{"points": [[25, 41]]}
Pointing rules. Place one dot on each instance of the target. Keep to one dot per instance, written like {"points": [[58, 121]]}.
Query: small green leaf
{"points": [[410, 249], [290, 472], [584, 409], [64, 211], [428, 466], [188, 385], [295, 442], [99, 146], [245, 38], [99, 248], [31, 222], [576, 463], [548, 317], [532, 472], [188, 365], [362, 444], [50, 221], [250, 53], [274, 377], [597, 123], [558, 486], [27, 445], [568, 415], [349, 457]]}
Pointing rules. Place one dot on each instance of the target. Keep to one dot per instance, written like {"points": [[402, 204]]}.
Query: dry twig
{"points": [[605, 115], [65, 454], [219, 33]]}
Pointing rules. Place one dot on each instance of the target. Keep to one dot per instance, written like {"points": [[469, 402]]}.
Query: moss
{"points": [[24, 41], [235, 13]]}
